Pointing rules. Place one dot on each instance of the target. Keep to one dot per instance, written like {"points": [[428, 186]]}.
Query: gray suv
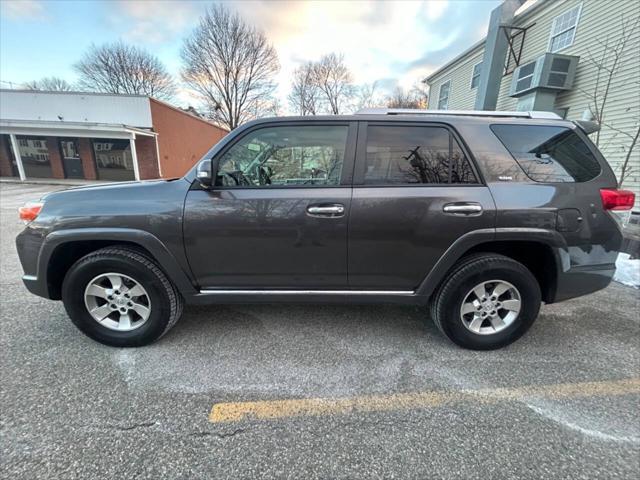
{"points": [[480, 216]]}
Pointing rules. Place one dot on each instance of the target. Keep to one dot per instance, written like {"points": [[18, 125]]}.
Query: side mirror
{"points": [[204, 173]]}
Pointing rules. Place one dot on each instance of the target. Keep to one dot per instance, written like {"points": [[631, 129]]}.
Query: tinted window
{"points": [[281, 156], [549, 154], [414, 155]]}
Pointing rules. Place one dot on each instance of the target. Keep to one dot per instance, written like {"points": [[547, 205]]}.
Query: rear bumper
{"points": [[583, 280]]}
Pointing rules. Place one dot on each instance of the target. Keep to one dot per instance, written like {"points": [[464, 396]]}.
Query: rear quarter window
{"points": [[549, 154]]}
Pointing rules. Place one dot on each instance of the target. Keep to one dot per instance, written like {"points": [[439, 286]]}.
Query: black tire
{"points": [[166, 302], [463, 277]]}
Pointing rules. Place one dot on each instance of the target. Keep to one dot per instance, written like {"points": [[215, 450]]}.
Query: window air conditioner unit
{"points": [[550, 71]]}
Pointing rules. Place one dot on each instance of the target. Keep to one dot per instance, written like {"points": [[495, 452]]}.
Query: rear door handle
{"points": [[465, 209], [332, 210]]}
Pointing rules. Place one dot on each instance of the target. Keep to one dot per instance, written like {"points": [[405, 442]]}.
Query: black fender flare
{"points": [[146, 240], [469, 240]]}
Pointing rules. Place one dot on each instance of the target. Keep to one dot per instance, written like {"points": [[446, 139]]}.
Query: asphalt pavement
{"points": [[314, 392]]}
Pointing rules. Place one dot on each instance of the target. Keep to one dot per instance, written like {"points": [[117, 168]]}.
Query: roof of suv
{"points": [[401, 114]]}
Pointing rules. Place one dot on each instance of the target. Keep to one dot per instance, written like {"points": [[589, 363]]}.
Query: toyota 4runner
{"points": [[480, 216]]}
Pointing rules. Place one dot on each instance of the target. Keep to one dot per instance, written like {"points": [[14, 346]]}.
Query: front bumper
{"points": [[35, 286], [29, 244]]}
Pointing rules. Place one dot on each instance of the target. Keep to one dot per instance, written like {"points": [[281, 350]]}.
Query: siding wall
{"points": [[599, 20], [461, 96]]}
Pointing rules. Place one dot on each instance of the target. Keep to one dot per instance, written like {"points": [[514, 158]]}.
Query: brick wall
{"points": [[182, 138], [55, 159], [147, 160], [85, 149]]}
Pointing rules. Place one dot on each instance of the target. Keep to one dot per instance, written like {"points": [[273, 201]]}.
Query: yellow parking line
{"points": [[270, 409]]}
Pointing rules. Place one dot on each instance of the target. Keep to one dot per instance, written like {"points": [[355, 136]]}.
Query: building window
{"points": [[35, 157], [443, 95], [475, 75], [563, 29], [113, 159]]}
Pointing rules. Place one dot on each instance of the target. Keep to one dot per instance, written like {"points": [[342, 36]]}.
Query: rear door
{"points": [[277, 218], [416, 191]]}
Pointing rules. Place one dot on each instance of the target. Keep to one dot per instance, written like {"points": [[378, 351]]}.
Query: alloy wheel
{"points": [[490, 307], [117, 302]]}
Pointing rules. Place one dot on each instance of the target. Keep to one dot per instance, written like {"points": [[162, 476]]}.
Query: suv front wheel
{"points": [[120, 297], [486, 302]]}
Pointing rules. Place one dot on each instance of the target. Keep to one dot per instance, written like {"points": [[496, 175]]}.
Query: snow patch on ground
{"points": [[627, 271]]}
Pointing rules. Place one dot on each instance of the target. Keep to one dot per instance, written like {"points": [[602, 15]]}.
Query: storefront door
{"points": [[71, 159]]}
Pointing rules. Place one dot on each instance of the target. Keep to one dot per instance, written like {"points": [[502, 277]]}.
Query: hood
{"points": [[109, 187]]}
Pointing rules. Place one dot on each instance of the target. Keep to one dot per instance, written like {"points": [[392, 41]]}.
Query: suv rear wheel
{"points": [[120, 297], [486, 302]]}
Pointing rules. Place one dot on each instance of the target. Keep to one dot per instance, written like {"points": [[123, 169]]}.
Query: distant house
{"points": [[544, 55], [96, 136]]}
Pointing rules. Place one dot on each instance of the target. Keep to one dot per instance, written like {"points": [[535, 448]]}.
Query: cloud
{"points": [[392, 42], [436, 8], [156, 21], [23, 9]]}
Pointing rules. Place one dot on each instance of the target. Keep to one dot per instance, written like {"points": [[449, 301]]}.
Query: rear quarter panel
{"points": [[589, 246]]}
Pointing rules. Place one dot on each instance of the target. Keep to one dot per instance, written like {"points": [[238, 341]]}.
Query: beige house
{"points": [[561, 53]]}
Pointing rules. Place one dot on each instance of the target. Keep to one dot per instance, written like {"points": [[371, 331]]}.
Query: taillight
{"points": [[613, 199], [30, 211]]}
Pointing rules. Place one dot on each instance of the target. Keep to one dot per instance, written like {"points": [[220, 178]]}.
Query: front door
{"points": [[415, 193], [277, 217], [71, 159]]}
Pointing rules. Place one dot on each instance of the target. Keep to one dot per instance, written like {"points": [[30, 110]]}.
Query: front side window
{"points": [[400, 155], [443, 95], [563, 29], [475, 75], [285, 156], [549, 154]]}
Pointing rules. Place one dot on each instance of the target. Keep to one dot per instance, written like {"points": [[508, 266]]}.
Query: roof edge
{"points": [[457, 58], [190, 115], [57, 92]]}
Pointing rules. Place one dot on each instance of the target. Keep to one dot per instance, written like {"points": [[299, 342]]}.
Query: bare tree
{"points": [[305, 97], [51, 84], [416, 97], [607, 64], [231, 66], [334, 80], [368, 96], [121, 68]]}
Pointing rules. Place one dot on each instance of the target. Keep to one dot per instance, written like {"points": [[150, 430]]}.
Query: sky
{"points": [[389, 42]]}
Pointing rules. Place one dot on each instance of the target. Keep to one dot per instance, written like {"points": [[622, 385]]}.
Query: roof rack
{"points": [[467, 113]]}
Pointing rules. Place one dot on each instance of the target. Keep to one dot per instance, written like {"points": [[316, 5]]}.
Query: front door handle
{"points": [[332, 210], [465, 208]]}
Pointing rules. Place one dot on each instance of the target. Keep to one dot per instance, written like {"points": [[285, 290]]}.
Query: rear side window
{"points": [[400, 155], [548, 153]]}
